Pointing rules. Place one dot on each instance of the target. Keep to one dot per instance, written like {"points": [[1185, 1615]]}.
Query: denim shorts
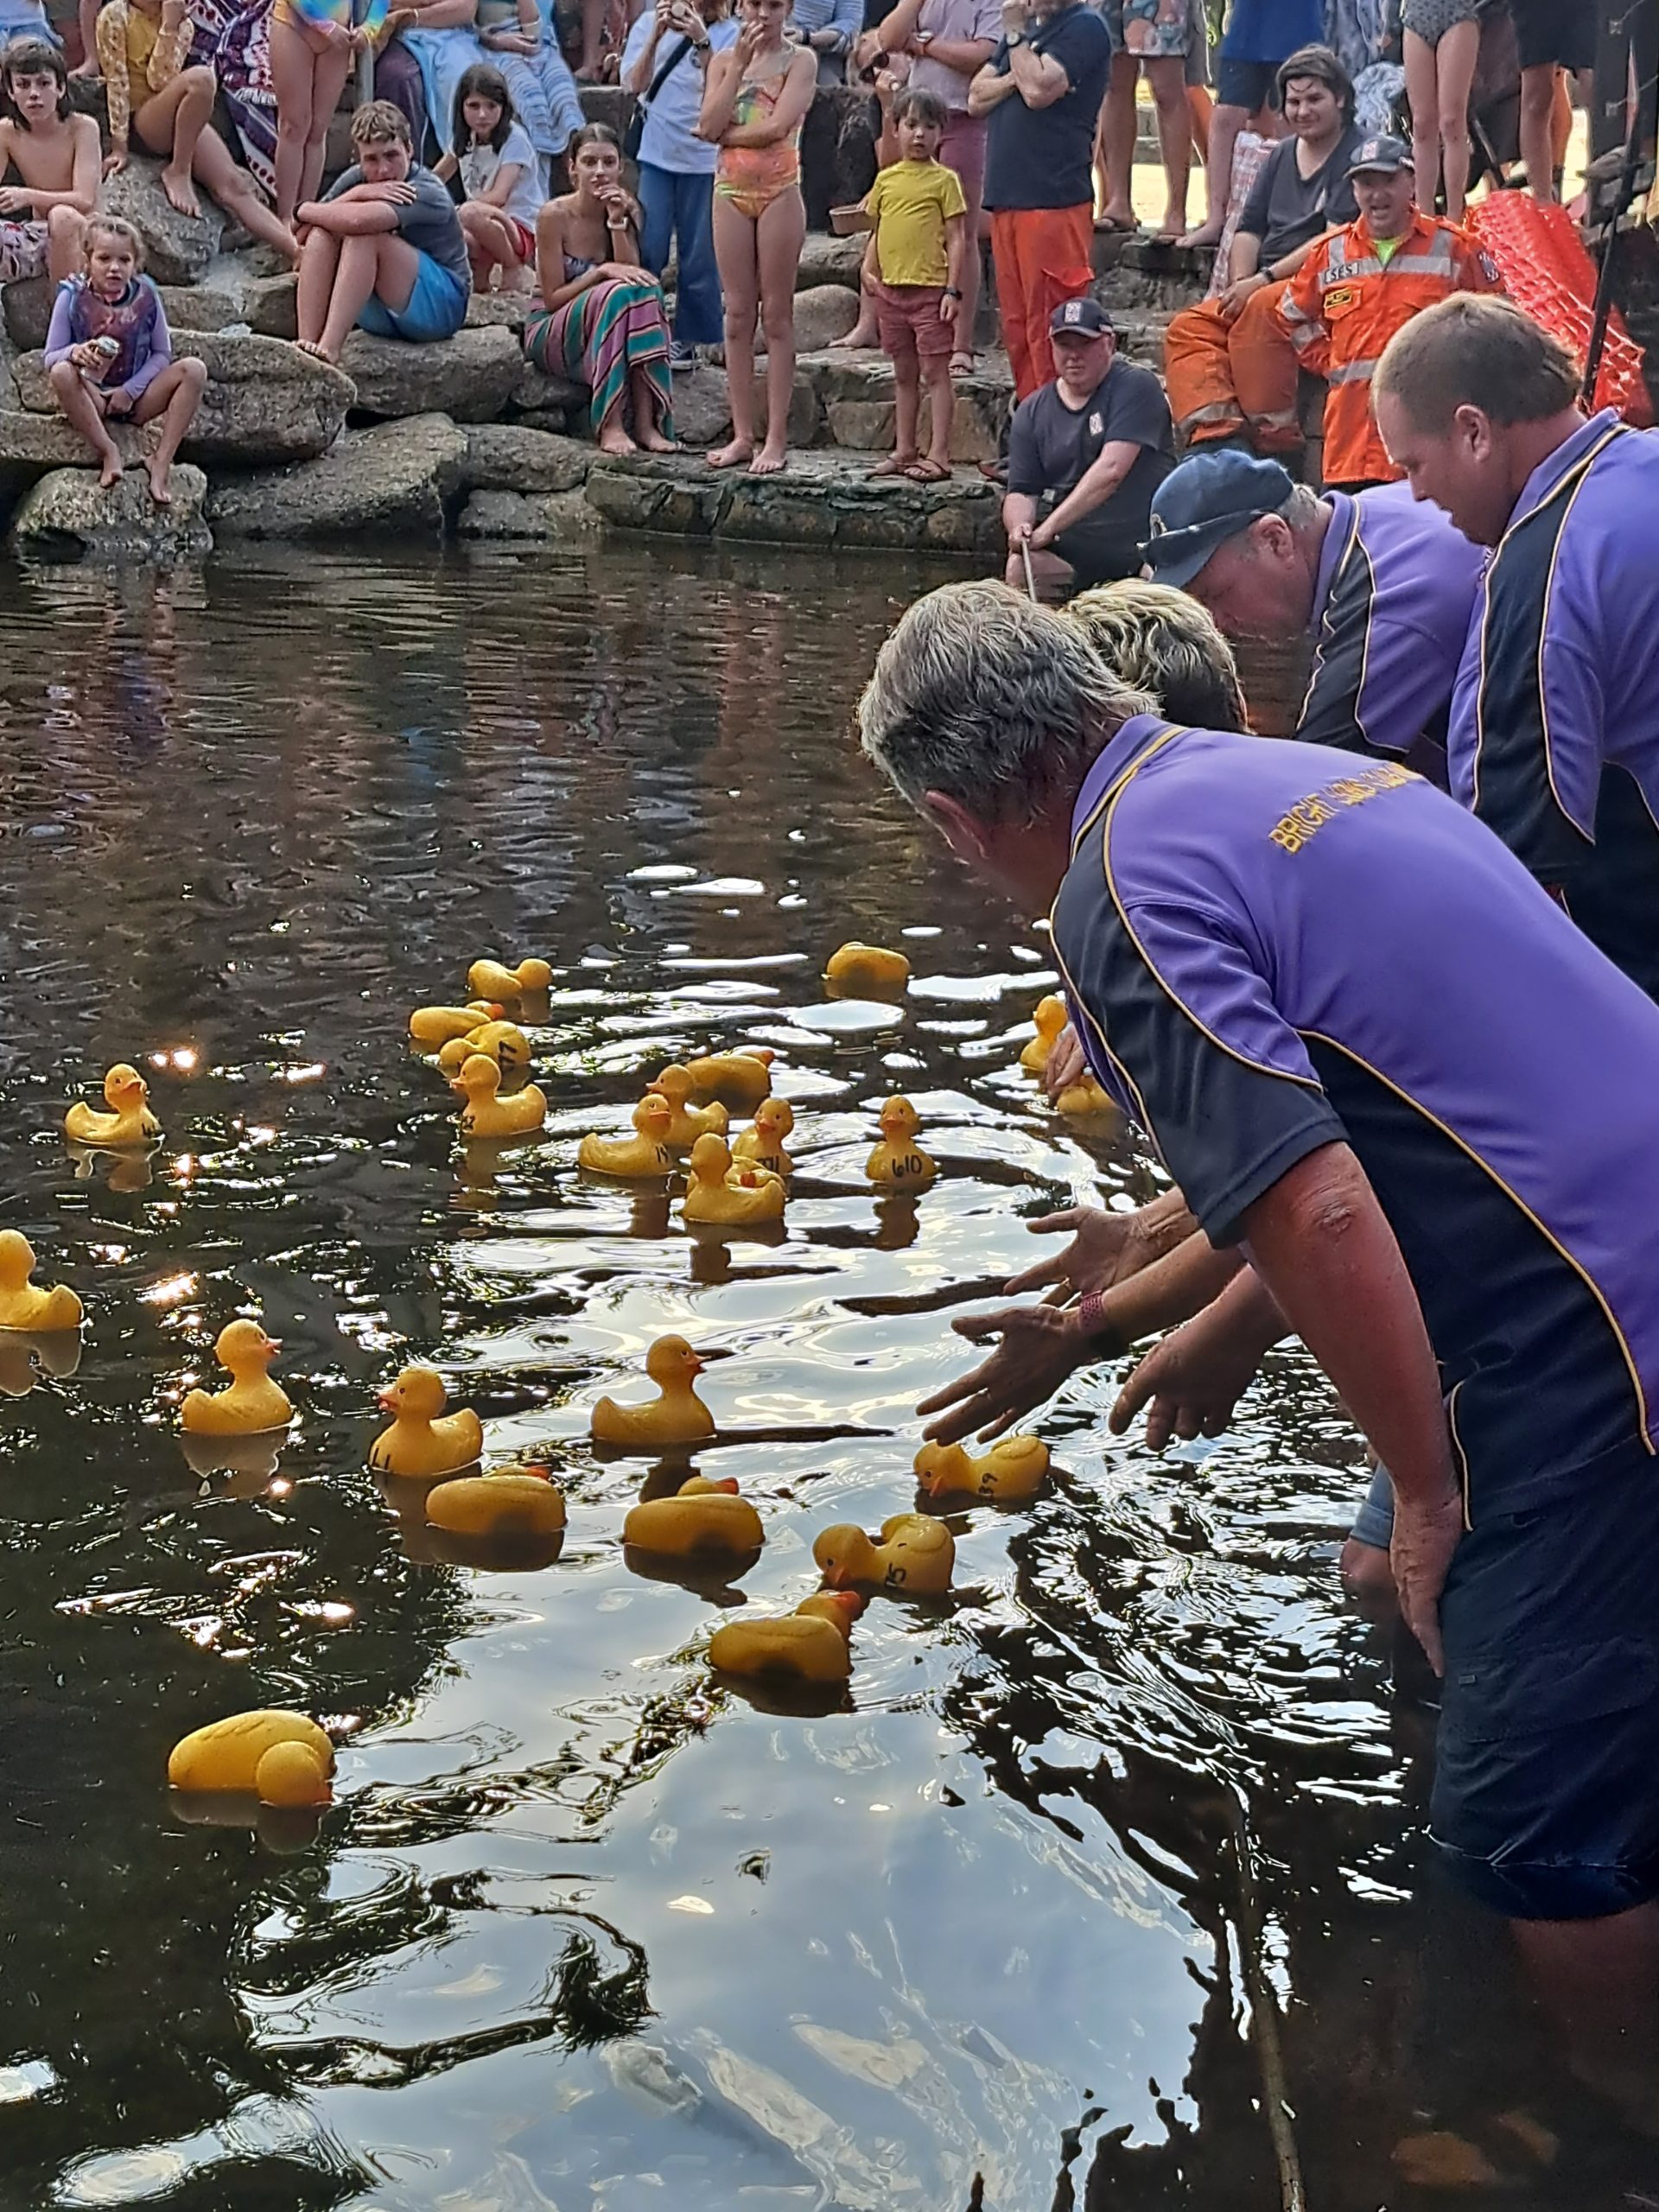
{"points": [[1545, 1796], [436, 308]]}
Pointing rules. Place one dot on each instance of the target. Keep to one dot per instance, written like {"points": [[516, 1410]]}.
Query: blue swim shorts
{"points": [[1374, 1522], [1545, 1796], [436, 308]]}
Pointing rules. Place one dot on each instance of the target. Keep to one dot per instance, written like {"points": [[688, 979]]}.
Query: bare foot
{"points": [[88, 69], [1206, 234], [110, 473], [732, 455], [862, 338], [654, 442], [160, 490], [616, 441], [769, 461], [175, 183], [317, 352], [1174, 225]]}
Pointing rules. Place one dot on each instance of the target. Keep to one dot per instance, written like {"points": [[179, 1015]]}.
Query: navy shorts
{"points": [[1546, 1797], [1554, 31], [1249, 85]]}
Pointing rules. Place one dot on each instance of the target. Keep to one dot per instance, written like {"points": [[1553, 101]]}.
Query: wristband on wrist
{"points": [[1089, 1310]]}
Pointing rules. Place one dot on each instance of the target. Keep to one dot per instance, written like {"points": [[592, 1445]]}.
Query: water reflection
{"points": [[584, 1927]]}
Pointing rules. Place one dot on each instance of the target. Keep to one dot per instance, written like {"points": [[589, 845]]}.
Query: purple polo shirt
{"points": [[1392, 603], [1268, 950], [1554, 732]]}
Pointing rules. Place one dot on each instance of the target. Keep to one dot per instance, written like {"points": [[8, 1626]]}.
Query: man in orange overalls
{"points": [[1361, 285]]}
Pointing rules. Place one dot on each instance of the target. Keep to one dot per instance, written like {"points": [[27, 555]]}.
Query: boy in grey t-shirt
{"points": [[385, 250]]}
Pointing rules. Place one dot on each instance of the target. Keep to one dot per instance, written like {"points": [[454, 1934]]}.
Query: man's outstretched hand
{"points": [[1040, 1347], [1191, 1381]]}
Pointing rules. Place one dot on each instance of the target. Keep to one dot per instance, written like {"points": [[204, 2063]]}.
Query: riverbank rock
{"points": [[177, 248], [268, 306], [543, 516], [469, 377], [510, 458], [510, 309], [823, 313], [828, 260], [392, 479], [32, 445], [67, 517], [856, 390], [265, 401], [820, 500]]}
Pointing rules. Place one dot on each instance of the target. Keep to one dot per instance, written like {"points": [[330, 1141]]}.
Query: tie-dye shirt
{"points": [[137, 322]]}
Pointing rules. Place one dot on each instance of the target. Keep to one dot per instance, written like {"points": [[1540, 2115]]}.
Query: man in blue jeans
{"points": [[1257, 35], [668, 49]]}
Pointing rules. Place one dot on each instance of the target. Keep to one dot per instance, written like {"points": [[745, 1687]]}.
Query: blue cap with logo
{"points": [[1079, 319], [1386, 155], [1209, 498]]}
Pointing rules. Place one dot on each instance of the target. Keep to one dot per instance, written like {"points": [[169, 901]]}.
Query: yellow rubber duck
{"points": [[1084, 1100], [810, 1644], [490, 979], [129, 1120], [1011, 1471], [676, 1415], [762, 1145], [742, 1079], [253, 1402], [283, 1758], [433, 1025], [858, 967], [506, 1502], [687, 1122], [915, 1555], [1048, 1018], [898, 1160], [486, 1114], [22, 1304], [648, 1151], [705, 1516], [504, 1042], [424, 1441], [733, 1196]]}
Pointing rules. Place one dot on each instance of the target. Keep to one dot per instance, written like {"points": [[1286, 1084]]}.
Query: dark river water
{"points": [[1103, 1884]]}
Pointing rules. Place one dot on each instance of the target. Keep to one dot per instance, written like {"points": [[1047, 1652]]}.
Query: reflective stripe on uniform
{"points": [[1219, 411], [1351, 372]]}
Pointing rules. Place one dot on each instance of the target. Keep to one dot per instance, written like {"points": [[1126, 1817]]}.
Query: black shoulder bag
{"points": [[633, 136]]}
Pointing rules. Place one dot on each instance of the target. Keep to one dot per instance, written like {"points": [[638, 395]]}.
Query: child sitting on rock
{"points": [[55, 152], [912, 269], [385, 249], [501, 172], [109, 355]]}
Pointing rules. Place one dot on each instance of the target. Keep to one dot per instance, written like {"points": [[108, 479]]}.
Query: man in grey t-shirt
{"points": [[384, 250]]}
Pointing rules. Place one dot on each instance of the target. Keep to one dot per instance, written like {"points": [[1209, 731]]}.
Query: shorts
{"points": [[523, 238], [1554, 31], [962, 148], [1249, 85], [22, 251], [436, 308], [1545, 1796], [1151, 29], [1374, 1522], [1101, 549], [909, 324]]}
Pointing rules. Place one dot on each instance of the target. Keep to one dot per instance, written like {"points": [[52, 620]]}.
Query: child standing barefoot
{"points": [[110, 356], [500, 174], [753, 104], [912, 269]]}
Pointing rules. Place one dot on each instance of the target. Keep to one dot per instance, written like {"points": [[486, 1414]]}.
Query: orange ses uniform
{"points": [[1346, 301]]}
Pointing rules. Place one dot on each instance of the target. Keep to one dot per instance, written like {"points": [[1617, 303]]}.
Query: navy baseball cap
{"points": [[1388, 156], [1209, 498], [1079, 319]]}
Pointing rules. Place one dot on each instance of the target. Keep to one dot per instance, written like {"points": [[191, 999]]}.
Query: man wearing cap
{"points": [[1363, 284], [1085, 454], [1230, 369], [1382, 587]]}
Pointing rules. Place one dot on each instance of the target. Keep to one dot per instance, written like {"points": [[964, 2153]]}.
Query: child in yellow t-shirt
{"points": [[912, 269]]}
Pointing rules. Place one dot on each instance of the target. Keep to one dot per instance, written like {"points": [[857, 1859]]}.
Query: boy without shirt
{"points": [[55, 152]]}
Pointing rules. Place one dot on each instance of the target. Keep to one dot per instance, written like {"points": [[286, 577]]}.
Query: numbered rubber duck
{"points": [[915, 1555], [1011, 1473], [486, 1113], [505, 1502], [899, 1161], [253, 1403], [283, 1758], [1084, 1100], [424, 1441], [734, 1196], [490, 979], [687, 1122], [647, 1152], [858, 967], [1049, 1018], [761, 1145], [742, 1079], [676, 1415], [129, 1121], [504, 1042], [22, 1305], [809, 1645], [433, 1025], [704, 1515]]}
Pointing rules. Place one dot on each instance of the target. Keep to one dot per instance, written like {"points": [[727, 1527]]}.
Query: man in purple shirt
{"points": [[1385, 588], [1554, 731], [1382, 1064]]}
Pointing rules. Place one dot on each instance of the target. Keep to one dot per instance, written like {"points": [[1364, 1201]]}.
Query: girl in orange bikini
{"points": [[755, 101]]}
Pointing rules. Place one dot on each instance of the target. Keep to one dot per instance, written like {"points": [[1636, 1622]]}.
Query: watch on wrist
{"points": [[1013, 39], [951, 292]]}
